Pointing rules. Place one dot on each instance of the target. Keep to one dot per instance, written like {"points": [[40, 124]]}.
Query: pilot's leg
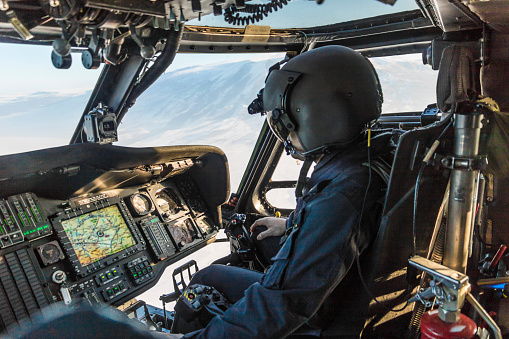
{"points": [[231, 281]]}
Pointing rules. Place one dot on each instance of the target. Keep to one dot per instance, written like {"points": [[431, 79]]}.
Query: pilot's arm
{"points": [[311, 263]]}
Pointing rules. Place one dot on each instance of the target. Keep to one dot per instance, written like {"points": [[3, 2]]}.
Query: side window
{"points": [[281, 189], [407, 84]]}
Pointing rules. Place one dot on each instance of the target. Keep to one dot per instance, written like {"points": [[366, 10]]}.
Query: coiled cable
{"points": [[256, 12]]}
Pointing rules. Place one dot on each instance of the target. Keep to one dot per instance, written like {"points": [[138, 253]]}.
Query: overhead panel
{"points": [[495, 13], [455, 16]]}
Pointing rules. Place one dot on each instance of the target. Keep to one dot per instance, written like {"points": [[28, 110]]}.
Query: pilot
{"points": [[320, 104]]}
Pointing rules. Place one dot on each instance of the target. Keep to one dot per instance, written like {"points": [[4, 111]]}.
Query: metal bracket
{"points": [[470, 164], [449, 287]]}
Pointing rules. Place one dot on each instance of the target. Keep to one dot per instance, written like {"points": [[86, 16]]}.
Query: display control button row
{"points": [[114, 291], [108, 276]]}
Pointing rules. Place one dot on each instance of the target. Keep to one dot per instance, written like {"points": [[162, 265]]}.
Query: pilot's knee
{"points": [[198, 277], [206, 275]]}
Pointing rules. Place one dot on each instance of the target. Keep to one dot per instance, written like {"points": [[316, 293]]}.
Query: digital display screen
{"points": [[98, 234]]}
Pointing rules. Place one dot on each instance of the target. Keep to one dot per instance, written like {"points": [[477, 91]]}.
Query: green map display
{"points": [[98, 234]]}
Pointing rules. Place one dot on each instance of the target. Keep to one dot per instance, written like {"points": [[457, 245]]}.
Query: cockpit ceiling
{"points": [[495, 13], [82, 22], [459, 15], [43, 16]]}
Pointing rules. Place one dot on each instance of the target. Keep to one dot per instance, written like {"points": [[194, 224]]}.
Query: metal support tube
{"points": [[459, 222], [486, 317]]}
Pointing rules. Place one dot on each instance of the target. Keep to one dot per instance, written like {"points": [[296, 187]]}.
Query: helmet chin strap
{"points": [[301, 183], [308, 161], [319, 151]]}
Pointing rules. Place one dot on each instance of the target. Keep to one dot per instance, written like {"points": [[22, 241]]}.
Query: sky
{"points": [[33, 60], [28, 69]]}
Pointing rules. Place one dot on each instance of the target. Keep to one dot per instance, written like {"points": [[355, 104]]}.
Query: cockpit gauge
{"points": [[187, 187], [168, 201], [50, 253], [197, 205], [140, 204]]}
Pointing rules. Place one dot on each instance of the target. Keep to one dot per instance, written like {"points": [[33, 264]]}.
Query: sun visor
{"points": [[277, 88]]}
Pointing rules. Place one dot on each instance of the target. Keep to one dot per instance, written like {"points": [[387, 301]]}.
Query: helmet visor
{"points": [[275, 95], [277, 88]]}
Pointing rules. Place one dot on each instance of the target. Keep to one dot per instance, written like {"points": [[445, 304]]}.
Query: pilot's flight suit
{"points": [[319, 251]]}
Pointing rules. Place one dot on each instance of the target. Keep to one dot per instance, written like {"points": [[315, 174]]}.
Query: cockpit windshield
{"points": [[305, 13]]}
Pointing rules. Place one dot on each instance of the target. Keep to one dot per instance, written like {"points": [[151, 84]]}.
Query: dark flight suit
{"points": [[318, 252]]}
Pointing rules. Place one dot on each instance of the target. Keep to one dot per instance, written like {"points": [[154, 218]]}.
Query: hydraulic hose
{"points": [[153, 73]]}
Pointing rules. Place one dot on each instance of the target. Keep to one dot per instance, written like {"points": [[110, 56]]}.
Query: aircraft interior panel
{"points": [[107, 245]]}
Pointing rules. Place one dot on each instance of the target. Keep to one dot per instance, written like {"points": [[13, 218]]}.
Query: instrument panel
{"points": [[98, 224], [96, 248]]}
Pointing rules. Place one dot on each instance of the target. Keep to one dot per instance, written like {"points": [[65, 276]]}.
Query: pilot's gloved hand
{"points": [[275, 227]]}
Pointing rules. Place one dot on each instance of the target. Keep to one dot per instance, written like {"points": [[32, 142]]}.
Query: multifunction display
{"points": [[98, 234]]}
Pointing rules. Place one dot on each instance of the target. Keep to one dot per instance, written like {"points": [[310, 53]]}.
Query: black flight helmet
{"points": [[326, 96]]}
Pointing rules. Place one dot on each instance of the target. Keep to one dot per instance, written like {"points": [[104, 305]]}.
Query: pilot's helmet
{"points": [[326, 96]]}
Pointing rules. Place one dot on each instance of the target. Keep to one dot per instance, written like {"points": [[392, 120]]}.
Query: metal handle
{"points": [[486, 317]]}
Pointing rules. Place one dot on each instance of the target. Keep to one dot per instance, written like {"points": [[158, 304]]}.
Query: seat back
{"points": [[384, 263]]}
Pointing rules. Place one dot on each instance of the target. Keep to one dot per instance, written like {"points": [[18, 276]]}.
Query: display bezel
{"points": [[196, 235], [79, 268]]}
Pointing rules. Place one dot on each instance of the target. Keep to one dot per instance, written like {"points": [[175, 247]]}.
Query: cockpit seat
{"points": [[384, 264]]}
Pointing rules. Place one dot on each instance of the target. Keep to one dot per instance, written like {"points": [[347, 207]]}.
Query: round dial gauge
{"points": [[51, 253], [168, 201], [141, 204]]}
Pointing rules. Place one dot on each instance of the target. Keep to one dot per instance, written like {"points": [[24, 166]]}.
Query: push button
{"points": [[109, 275]]}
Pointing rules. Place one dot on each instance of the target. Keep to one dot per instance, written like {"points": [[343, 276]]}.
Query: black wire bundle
{"points": [[256, 12]]}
